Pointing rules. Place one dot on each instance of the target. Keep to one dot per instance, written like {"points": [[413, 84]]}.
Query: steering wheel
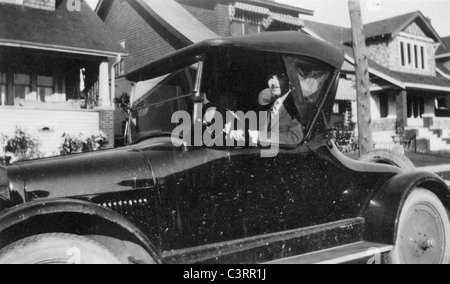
{"points": [[224, 112]]}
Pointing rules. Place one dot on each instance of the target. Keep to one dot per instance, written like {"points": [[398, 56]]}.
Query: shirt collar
{"points": [[282, 99]]}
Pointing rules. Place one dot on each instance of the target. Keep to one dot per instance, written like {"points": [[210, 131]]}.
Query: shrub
{"points": [[81, 143], [22, 145]]}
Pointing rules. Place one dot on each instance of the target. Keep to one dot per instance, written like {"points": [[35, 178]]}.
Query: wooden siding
{"points": [[57, 122]]}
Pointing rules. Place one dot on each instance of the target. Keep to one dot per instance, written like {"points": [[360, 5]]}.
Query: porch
{"points": [[411, 117], [48, 93]]}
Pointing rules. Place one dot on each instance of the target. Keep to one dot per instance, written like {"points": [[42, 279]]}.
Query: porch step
{"points": [[343, 254]]}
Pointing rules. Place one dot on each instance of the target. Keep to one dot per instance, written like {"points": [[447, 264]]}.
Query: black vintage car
{"points": [[173, 198]]}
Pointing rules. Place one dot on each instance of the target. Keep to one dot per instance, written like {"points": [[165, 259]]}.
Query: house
{"points": [[410, 93], [49, 53], [443, 58], [151, 29]]}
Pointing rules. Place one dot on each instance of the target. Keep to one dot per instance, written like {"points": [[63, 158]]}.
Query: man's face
{"points": [[275, 86]]}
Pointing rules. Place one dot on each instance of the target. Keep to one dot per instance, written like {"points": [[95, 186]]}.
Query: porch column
{"points": [[103, 80], [10, 89], [402, 112]]}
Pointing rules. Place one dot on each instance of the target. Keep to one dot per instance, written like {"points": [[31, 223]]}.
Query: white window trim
{"points": [[406, 53], [415, 37]]}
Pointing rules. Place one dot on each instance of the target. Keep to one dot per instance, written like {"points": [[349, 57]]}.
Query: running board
{"points": [[342, 254]]}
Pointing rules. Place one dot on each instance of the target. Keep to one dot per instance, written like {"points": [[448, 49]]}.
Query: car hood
{"points": [[85, 174]]}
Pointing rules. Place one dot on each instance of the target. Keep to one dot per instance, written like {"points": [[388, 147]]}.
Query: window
{"points": [[2, 89], [416, 106], [312, 76], [409, 54], [45, 89], [384, 105], [336, 108], [402, 52], [120, 68], [416, 59], [245, 28], [422, 56], [441, 103], [412, 55], [22, 89], [340, 107]]}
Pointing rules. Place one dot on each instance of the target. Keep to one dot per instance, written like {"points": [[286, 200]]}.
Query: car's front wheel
{"points": [[57, 248], [423, 234]]}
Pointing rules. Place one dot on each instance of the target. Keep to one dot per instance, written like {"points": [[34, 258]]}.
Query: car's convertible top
{"points": [[281, 42]]}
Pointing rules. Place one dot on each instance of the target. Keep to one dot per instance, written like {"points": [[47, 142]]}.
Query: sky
{"points": [[336, 12]]}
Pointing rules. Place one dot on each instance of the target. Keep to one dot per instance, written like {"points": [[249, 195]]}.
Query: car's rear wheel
{"points": [[423, 234], [389, 157], [57, 248]]}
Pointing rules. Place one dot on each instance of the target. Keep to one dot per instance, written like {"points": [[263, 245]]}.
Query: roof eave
{"points": [[379, 74], [443, 73], [443, 55], [58, 48], [98, 6], [427, 87]]}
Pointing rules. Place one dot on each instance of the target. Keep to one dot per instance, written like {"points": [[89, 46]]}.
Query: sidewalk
{"points": [[435, 169]]}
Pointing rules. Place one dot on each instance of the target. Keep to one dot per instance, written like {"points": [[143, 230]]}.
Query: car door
{"points": [[202, 202]]}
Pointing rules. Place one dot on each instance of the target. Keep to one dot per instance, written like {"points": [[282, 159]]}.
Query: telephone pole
{"points": [[365, 138]]}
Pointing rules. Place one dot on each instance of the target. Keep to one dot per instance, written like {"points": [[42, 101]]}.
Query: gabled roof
{"points": [[168, 13], [393, 26], [442, 70], [444, 50], [334, 34], [61, 30]]}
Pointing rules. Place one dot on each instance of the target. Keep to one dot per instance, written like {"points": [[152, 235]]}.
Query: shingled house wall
{"points": [[386, 51]]}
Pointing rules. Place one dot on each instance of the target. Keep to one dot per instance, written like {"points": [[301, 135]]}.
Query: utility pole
{"points": [[365, 138]]}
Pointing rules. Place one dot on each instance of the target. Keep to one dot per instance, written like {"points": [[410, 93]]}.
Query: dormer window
{"points": [[48, 5], [412, 55], [245, 28]]}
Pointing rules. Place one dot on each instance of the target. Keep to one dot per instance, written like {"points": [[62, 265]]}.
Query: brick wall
{"points": [[206, 15], [143, 41], [106, 124]]}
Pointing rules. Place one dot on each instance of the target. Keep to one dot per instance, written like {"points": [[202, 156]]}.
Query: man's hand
{"points": [[237, 135], [254, 135]]}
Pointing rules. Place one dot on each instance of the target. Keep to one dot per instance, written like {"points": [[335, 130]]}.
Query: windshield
{"points": [[155, 100]]}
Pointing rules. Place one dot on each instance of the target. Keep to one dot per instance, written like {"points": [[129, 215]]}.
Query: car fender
{"points": [[383, 211], [18, 214]]}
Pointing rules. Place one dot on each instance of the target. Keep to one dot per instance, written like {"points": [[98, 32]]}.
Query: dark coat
{"points": [[291, 132]]}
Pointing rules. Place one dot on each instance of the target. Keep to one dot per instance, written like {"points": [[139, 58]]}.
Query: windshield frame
{"points": [[196, 92]]}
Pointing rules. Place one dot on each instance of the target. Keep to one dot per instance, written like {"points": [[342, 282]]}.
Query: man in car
{"points": [[283, 119]]}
